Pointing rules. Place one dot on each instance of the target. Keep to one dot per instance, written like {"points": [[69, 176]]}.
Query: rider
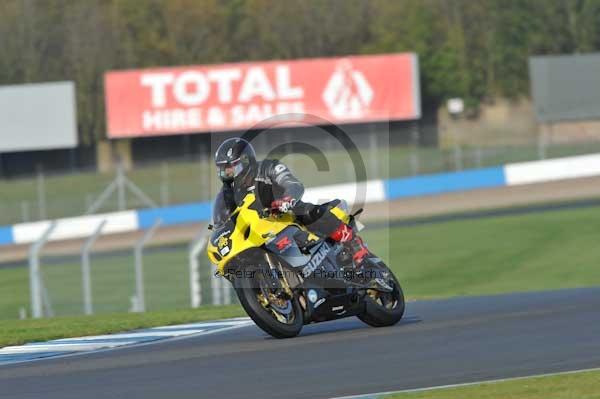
{"points": [[274, 185]]}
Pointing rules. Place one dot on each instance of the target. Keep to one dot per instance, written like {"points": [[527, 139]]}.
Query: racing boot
{"points": [[346, 235]]}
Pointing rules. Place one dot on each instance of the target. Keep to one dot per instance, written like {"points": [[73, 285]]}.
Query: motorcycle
{"points": [[286, 277]]}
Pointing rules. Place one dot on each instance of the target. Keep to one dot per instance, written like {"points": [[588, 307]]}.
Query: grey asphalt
{"points": [[438, 342]]}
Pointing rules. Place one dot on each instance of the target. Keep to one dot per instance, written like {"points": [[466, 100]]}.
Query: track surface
{"points": [[439, 342]]}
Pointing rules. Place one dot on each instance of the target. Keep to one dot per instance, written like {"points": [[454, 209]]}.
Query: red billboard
{"points": [[240, 96]]}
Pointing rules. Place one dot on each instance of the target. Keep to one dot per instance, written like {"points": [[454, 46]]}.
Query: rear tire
{"points": [[248, 294], [382, 313]]}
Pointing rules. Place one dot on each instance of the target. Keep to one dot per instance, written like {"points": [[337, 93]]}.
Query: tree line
{"points": [[475, 49]]}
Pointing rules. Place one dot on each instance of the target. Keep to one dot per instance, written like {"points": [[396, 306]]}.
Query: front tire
{"points": [[384, 309], [280, 318]]}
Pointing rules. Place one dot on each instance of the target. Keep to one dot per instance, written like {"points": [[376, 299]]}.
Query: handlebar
{"points": [[266, 212]]}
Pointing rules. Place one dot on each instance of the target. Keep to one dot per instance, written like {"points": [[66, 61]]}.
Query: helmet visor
{"points": [[230, 170]]}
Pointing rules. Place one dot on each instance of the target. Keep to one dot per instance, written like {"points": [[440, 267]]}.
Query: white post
{"points": [[85, 269], [41, 194], [225, 289], [35, 280], [478, 157], [121, 199], [458, 157], [196, 246], [415, 145], [414, 162], [543, 143], [215, 288], [140, 300]]}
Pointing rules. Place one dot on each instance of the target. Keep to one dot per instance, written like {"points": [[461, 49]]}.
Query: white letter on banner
{"points": [[256, 83], [194, 117], [224, 78], [237, 115], [178, 119], [158, 83], [284, 89], [215, 117], [180, 89], [152, 120]]}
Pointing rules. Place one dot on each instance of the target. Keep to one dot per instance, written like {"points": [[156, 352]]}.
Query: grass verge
{"points": [[17, 332], [532, 252], [567, 386]]}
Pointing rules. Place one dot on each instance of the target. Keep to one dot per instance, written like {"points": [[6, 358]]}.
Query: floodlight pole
{"points": [[85, 268]]}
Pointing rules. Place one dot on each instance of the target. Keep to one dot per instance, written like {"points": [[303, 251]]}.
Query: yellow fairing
{"points": [[341, 214], [261, 231]]}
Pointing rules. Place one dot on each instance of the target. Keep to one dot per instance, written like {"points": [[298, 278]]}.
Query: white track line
{"points": [[156, 334], [32, 349], [198, 325], [466, 384], [67, 347]]}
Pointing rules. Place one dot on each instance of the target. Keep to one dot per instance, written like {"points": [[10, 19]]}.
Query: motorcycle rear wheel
{"points": [[280, 317], [384, 309]]}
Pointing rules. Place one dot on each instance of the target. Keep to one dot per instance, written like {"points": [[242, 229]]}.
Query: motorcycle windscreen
{"points": [[220, 211]]}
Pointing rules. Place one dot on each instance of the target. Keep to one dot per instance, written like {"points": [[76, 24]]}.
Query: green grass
{"points": [[16, 332], [188, 181], [569, 386], [532, 252]]}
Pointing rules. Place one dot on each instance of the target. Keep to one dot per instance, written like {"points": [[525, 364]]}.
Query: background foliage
{"points": [[474, 49]]}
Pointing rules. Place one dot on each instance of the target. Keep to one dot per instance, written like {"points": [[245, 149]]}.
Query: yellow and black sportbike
{"points": [[285, 276]]}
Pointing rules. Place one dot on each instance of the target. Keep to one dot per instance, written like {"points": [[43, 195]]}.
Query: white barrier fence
{"points": [[218, 288]]}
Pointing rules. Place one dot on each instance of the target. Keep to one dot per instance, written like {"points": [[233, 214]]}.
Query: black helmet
{"points": [[234, 158]]}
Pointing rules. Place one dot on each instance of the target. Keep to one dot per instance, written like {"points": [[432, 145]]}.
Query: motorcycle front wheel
{"points": [[263, 297], [384, 308]]}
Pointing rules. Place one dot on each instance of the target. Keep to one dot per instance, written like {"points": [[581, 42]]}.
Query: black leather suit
{"points": [[271, 180]]}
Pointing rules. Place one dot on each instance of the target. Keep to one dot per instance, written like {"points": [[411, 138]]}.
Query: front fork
{"points": [[278, 275]]}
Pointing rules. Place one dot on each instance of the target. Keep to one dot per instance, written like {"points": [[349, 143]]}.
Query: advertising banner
{"points": [[210, 98], [39, 116], [565, 87]]}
